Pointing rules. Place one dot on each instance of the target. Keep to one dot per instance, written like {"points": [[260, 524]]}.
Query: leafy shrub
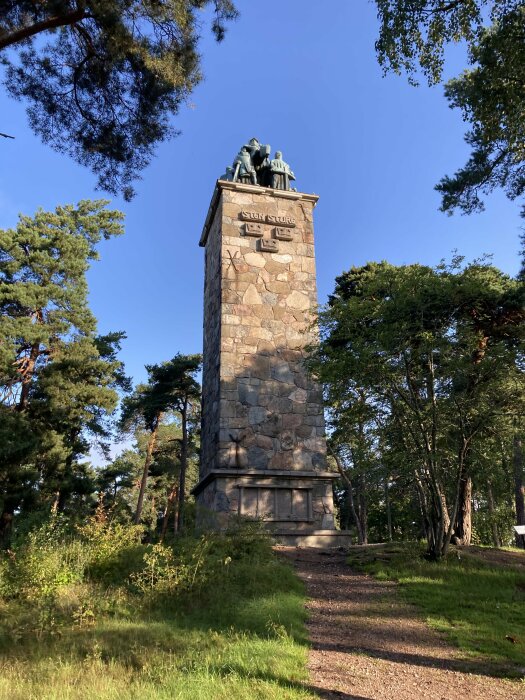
{"points": [[50, 559], [167, 571], [114, 549], [503, 517], [190, 566]]}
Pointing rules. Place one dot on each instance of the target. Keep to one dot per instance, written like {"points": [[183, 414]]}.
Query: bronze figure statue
{"points": [[252, 165], [281, 173]]}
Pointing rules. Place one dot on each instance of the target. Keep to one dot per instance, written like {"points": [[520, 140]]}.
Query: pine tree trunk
{"points": [[149, 452], [27, 376], [172, 497], [496, 540], [183, 466], [6, 523], [66, 488], [388, 511], [518, 488]]}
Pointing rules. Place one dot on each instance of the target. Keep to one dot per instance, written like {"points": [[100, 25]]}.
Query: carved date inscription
{"points": [[268, 245], [255, 230], [282, 234]]}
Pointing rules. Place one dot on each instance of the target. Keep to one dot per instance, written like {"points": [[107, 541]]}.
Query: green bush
{"points": [[50, 560], [190, 566], [504, 517], [114, 549]]}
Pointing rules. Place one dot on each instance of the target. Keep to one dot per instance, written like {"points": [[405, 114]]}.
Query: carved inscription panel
{"points": [[276, 502], [251, 216], [280, 220], [254, 227]]}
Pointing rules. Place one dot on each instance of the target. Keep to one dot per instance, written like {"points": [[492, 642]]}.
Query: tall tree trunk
{"points": [[183, 465], [463, 524], [496, 540], [350, 495], [362, 507], [172, 497], [345, 525], [6, 522], [388, 511], [423, 507], [27, 376], [518, 488], [65, 490], [149, 452]]}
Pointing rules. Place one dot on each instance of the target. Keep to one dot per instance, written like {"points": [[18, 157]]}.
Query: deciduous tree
{"points": [[435, 354]]}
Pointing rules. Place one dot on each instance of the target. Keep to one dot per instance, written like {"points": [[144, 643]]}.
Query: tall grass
{"points": [[214, 617]]}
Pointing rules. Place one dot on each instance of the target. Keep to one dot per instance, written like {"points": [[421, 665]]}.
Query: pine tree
{"points": [[103, 77], [58, 379], [171, 386]]}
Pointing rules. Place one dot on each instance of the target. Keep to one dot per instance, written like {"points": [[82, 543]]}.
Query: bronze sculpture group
{"points": [[254, 166]]}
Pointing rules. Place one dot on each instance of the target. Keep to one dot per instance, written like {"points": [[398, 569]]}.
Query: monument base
{"points": [[318, 539], [285, 501]]}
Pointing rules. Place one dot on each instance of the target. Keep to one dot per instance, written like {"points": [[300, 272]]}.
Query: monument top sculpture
{"points": [[253, 165]]}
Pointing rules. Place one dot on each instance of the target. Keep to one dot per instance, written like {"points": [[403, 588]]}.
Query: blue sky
{"points": [[304, 78]]}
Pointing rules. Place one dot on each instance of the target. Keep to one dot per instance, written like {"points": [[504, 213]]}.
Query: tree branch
{"points": [[49, 23]]}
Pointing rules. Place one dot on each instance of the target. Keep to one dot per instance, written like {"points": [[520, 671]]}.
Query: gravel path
{"points": [[369, 645]]}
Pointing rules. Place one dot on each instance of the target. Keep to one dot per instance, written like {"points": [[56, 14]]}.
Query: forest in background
{"points": [[422, 370]]}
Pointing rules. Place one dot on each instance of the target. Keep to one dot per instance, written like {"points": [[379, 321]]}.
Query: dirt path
{"points": [[369, 645]]}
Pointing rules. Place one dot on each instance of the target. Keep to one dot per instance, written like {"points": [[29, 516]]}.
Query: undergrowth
{"points": [[93, 613], [479, 608]]}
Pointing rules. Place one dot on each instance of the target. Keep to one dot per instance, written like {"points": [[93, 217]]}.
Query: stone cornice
{"points": [[262, 474], [251, 189]]}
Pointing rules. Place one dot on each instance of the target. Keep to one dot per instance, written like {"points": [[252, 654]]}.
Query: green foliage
{"points": [[490, 97], [234, 629], [106, 75], [490, 94], [59, 381], [423, 374], [171, 388], [191, 567], [50, 560], [170, 385], [479, 607], [483, 521], [114, 549], [415, 34]]}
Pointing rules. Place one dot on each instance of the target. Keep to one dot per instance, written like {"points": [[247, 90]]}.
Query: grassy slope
{"points": [[243, 639], [477, 606]]}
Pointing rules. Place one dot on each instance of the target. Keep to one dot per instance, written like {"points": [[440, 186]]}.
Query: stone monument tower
{"points": [[263, 443]]}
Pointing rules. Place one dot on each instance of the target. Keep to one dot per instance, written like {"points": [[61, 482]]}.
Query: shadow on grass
{"points": [[284, 683], [262, 602], [478, 607]]}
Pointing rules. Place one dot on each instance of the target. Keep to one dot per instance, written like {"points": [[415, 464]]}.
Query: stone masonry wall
{"points": [[261, 411], [212, 347]]}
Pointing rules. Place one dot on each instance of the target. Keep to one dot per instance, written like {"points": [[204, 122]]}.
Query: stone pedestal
{"points": [[263, 443]]}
